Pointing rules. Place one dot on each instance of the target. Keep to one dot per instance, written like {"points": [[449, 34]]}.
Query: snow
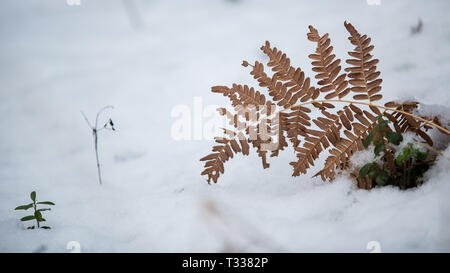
{"points": [[57, 60]]}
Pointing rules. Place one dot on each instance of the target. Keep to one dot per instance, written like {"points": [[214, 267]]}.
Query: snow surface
{"points": [[56, 60]]}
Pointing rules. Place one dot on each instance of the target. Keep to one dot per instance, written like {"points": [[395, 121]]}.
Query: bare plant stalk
{"points": [[96, 157], [95, 131]]}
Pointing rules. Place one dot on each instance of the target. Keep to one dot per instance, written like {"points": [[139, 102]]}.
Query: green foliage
{"points": [[394, 137], [384, 133], [46, 203], [33, 196], [379, 147], [27, 218], [369, 139], [382, 178], [404, 170], [374, 172], [37, 213], [25, 207], [365, 169], [410, 152]]}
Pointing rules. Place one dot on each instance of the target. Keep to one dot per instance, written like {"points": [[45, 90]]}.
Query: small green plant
{"points": [[404, 169], [413, 163], [37, 215]]}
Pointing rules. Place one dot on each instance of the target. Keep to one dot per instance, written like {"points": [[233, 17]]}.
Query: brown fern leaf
{"points": [[241, 95], [295, 79], [327, 67], [281, 92], [364, 77], [296, 122], [262, 152], [317, 140], [279, 128], [332, 82], [233, 119], [287, 85], [259, 129], [403, 123], [342, 132], [329, 134], [214, 162], [242, 98], [342, 151]]}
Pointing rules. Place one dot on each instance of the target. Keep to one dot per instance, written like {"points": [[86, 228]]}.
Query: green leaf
{"points": [[378, 140], [364, 170], [418, 154], [24, 207], [32, 227], [404, 156], [46, 203], [373, 173], [394, 137], [44, 209], [379, 181], [383, 126], [38, 216], [399, 159], [422, 155], [370, 169], [46, 227], [33, 196], [378, 148], [368, 139], [382, 177], [28, 218]]}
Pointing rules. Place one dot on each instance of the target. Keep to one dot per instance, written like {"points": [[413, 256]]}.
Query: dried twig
{"points": [[109, 125]]}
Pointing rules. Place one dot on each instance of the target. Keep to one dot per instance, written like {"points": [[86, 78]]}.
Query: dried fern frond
{"points": [[348, 145], [296, 85], [364, 77], [279, 127], [341, 132], [327, 67], [403, 122], [241, 95], [245, 123], [222, 152]]}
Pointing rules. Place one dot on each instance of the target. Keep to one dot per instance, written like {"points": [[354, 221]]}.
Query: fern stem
{"points": [[374, 105]]}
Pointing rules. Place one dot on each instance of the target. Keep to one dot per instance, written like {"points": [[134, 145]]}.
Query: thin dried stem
{"points": [[99, 112], [428, 147], [95, 131], [87, 120]]}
